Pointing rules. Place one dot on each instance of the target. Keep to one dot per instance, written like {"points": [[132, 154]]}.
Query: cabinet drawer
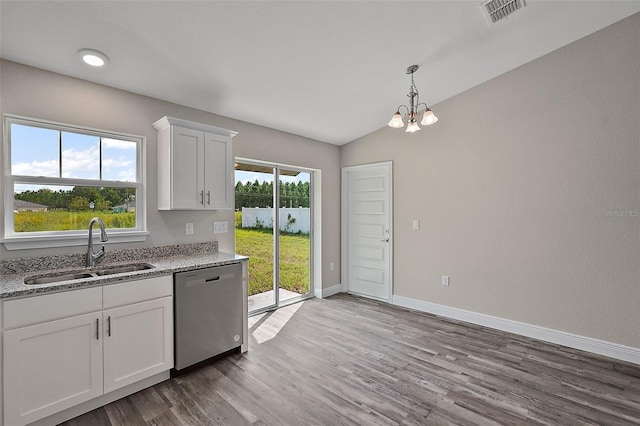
{"points": [[47, 307], [137, 291]]}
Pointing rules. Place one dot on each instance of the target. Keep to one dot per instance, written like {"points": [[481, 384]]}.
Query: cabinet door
{"points": [[187, 168], [218, 163], [51, 366], [138, 342]]}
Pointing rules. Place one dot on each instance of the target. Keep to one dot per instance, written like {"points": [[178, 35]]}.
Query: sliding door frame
{"points": [[314, 224]]}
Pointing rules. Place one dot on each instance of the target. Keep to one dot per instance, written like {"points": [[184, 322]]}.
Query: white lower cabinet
{"points": [[57, 364], [51, 366], [136, 342]]}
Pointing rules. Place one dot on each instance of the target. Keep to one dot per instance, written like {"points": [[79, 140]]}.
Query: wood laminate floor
{"points": [[352, 361]]}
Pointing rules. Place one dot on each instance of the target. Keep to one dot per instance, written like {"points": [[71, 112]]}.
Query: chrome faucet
{"points": [[93, 258]]}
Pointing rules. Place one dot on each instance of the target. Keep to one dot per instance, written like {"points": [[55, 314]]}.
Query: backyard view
{"points": [[72, 208], [60, 208], [294, 258], [254, 194], [62, 176]]}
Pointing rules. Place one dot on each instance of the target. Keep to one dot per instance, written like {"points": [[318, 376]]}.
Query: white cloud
{"points": [[117, 163], [81, 164], [36, 168], [128, 175], [118, 144], [121, 168]]}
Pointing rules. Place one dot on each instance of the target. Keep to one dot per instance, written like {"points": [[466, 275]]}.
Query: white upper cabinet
{"points": [[195, 166]]}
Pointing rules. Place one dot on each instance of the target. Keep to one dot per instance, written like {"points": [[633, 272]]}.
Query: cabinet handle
{"points": [[97, 328], [208, 197], [109, 326], [202, 197]]}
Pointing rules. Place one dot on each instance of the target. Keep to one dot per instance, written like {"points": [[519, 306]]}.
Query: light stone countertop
{"points": [[167, 262]]}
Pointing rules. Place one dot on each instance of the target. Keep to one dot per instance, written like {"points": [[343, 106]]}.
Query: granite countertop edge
{"points": [[13, 286]]}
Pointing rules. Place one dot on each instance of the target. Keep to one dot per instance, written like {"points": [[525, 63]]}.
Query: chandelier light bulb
{"points": [[396, 121], [412, 127], [428, 118]]}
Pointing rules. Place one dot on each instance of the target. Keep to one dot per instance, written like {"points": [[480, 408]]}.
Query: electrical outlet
{"points": [[445, 280], [331, 266], [220, 227], [188, 228], [416, 223]]}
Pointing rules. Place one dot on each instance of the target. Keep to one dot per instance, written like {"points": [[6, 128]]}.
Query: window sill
{"points": [[20, 242]]}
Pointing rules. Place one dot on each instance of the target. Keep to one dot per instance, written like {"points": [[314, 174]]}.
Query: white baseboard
{"points": [[600, 347], [321, 293]]}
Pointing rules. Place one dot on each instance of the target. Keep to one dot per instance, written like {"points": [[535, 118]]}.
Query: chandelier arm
{"points": [[406, 107], [426, 107]]}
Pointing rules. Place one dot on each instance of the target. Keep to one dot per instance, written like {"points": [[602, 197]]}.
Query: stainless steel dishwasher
{"points": [[208, 313]]}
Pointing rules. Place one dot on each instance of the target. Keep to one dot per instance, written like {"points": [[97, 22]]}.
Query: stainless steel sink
{"points": [[121, 269], [52, 278], [78, 275]]}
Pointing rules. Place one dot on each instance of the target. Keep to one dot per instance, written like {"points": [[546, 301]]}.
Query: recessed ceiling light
{"points": [[93, 57]]}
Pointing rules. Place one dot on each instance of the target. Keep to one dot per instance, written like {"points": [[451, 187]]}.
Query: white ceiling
{"points": [[328, 70]]}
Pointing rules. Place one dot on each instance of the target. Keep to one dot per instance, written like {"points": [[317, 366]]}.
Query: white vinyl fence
{"points": [[291, 219]]}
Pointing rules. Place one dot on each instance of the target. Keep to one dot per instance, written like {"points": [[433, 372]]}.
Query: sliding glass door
{"points": [[277, 240], [294, 242]]}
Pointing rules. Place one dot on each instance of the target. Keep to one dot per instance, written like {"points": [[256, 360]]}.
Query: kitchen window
{"points": [[59, 176]]}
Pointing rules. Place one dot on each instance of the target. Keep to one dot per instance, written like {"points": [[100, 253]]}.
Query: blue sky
{"points": [[36, 152]]}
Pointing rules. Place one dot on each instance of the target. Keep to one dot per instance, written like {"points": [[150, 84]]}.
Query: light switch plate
{"points": [[220, 227], [416, 223], [445, 280]]}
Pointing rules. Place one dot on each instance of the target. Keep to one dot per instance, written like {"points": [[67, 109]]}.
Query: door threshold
{"points": [[282, 304]]}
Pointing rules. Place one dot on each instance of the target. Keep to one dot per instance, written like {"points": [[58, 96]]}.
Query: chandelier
{"points": [[428, 117]]}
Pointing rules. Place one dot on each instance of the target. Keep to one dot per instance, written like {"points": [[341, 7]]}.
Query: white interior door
{"points": [[366, 240]]}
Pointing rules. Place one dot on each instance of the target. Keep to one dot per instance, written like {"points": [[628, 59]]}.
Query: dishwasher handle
{"points": [[201, 280]]}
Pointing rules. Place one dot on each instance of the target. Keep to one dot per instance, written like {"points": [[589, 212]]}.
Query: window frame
{"points": [[44, 239]]}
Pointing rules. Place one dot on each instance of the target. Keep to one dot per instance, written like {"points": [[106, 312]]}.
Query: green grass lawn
{"points": [[295, 260], [62, 220]]}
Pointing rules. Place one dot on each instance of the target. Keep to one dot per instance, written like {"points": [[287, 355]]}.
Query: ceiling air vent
{"points": [[497, 10]]}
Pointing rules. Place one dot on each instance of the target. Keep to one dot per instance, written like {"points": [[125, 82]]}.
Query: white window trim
{"points": [[35, 240]]}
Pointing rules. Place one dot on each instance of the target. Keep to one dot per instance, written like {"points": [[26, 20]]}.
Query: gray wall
{"points": [[517, 188], [36, 93]]}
